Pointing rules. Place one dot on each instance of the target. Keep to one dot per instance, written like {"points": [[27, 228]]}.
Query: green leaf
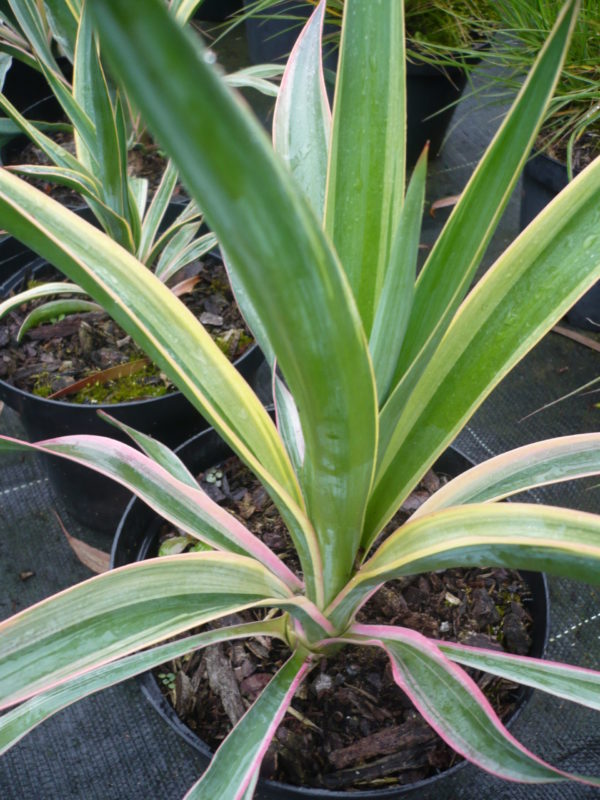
{"points": [[453, 704], [121, 611], [30, 21], [256, 77], [450, 267], [538, 464], [63, 18], [153, 217], [229, 168], [90, 90], [561, 680], [516, 535], [53, 309], [170, 264], [183, 9], [239, 757], [57, 154], [155, 450], [19, 721], [61, 176], [302, 118], [366, 170], [395, 303], [42, 290]]}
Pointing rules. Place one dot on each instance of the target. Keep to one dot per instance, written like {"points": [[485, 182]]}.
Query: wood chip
{"points": [[223, 683], [384, 742]]}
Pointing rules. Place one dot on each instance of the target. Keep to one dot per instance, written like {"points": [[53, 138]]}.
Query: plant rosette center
{"points": [[350, 726]]}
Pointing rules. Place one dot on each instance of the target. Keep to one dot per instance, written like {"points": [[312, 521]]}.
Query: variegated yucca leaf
{"points": [[14, 724], [456, 708]]}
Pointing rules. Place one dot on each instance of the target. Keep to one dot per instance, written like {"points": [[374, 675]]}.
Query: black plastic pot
{"points": [[28, 90], [431, 96], [217, 10], [543, 179], [137, 537], [94, 500]]}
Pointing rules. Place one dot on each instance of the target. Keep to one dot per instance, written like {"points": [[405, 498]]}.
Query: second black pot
{"points": [[543, 179], [95, 501], [137, 537]]}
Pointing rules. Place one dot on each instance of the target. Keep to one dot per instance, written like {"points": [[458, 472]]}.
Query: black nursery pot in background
{"points": [[137, 538], [543, 179], [217, 10], [96, 501]]}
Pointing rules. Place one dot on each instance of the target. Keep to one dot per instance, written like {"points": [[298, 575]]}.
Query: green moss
{"points": [[141, 385], [42, 386]]}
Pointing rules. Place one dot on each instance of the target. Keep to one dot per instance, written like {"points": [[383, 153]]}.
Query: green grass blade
{"points": [[251, 203], [366, 170]]}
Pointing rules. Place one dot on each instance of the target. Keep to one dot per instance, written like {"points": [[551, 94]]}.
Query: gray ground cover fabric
{"points": [[114, 746]]}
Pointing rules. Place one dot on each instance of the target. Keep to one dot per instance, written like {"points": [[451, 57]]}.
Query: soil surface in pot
{"points": [[586, 149], [58, 355], [351, 726], [144, 160]]}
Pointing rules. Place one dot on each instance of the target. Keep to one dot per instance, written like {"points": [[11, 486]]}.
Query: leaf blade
{"points": [[366, 169]]}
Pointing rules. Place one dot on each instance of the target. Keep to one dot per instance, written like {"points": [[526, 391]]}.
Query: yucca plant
{"points": [[105, 127], [374, 374]]}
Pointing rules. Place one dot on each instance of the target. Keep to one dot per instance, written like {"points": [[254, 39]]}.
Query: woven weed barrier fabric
{"points": [[113, 746]]}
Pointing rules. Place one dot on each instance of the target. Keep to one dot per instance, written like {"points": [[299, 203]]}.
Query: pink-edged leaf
{"points": [[560, 459], [237, 760], [562, 680], [453, 704], [19, 721], [188, 508], [155, 450], [114, 614], [302, 117]]}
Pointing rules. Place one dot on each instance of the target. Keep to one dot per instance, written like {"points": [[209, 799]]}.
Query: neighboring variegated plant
{"points": [[375, 372], [101, 118]]}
